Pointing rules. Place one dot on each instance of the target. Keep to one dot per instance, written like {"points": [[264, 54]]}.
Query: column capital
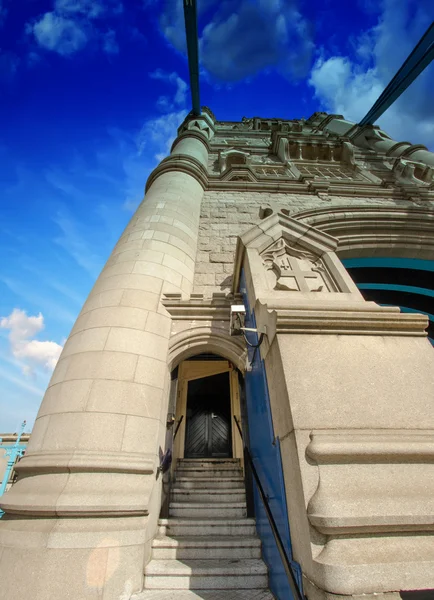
{"points": [[190, 133], [180, 162], [204, 124]]}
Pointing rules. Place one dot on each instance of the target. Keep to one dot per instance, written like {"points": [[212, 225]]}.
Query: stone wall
{"points": [[227, 214]]}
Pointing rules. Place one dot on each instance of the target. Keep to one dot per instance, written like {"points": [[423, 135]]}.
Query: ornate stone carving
{"points": [[202, 124], [245, 124], [411, 172], [232, 158], [292, 269]]}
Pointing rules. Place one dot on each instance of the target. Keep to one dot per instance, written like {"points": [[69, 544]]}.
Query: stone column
{"points": [[80, 519]]}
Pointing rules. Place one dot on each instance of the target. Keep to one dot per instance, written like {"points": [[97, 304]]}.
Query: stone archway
{"points": [[367, 230], [399, 241], [198, 340], [195, 341]]}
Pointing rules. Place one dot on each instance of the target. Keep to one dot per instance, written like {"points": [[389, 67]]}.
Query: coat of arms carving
{"points": [[293, 269]]}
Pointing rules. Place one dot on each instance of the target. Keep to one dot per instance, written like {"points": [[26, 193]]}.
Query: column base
{"points": [[73, 559]]}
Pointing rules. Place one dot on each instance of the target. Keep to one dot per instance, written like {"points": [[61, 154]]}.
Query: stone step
{"points": [[206, 547], [199, 472], [208, 510], [208, 463], [205, 495], [207, 527], [206, 574], [209, 482], [205, 595]]}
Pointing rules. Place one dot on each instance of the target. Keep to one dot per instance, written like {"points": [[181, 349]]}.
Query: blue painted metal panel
{"points": [[386, 262], [389, 262], [399, 288], [265, 450]]}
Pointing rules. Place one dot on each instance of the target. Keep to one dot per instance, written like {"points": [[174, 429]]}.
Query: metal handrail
{"points": [[177, 427], [283, 554]]}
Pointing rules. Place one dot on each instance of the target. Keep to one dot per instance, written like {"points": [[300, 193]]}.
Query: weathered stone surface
{"points": [[350, 383]]}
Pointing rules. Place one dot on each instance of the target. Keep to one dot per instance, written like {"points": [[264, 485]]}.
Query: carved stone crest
{"points": [[295, 270]]}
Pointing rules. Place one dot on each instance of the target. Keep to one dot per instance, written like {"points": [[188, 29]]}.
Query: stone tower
{"points": [[269, 209]]}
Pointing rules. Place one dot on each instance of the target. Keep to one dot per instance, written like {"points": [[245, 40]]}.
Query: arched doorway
{"points": [[208, 418], [207, 400]]}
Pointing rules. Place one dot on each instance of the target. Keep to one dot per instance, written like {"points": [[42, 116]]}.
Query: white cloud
{"points": [[31, 352], [344, 88], [71, 25], [350, 86], [56, 33], [245, 37], [160, 133], [180, 95]]}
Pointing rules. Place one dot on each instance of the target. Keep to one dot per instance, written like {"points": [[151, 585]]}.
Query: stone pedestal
{"points": [[351, 387], [79, 520]]}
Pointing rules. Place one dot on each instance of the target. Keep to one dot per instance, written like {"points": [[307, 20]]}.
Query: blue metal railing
{"points": [[13, 452], [292, 579]]}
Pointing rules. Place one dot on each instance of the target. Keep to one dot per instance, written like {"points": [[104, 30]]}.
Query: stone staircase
{"points": [[207, 548]]}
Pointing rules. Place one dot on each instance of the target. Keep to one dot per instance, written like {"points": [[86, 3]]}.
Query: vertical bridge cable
{"points": [[190, 16], [416, 62]]}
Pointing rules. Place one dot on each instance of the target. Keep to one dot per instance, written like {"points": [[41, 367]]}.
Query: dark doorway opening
{"points": [[208, 427]]}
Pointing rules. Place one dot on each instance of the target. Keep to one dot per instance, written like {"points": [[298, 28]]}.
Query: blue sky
{"points": [[91, 94]]}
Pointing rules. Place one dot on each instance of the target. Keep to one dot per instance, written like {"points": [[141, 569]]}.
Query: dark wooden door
{"points": [[208, 431]]}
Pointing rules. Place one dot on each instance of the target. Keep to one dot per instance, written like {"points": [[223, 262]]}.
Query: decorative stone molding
{"points": [[323, 164], [277, 185], [199, 308], [297, 285], [309, 147], [354, 319], [205, 328], [232, 157], [399, 500], [208, 111], [68, 461], [190, 133], [412, 173], [386, 231], [203, 124], [343, 447], [246, 124], [350, 158], [179, 162], [240, 173], [319, 120], [295, 253]]}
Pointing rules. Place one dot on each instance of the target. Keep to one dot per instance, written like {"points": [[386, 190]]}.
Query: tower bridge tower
{"points": [[320, 229]]}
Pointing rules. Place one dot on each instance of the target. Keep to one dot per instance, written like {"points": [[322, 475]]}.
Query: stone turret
{"points": [[268, 209]]}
